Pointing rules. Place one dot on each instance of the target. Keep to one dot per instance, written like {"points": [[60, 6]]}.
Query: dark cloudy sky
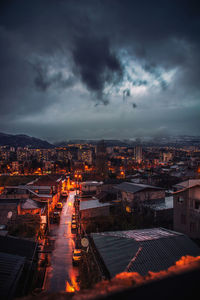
{"points": [[99, 69]]}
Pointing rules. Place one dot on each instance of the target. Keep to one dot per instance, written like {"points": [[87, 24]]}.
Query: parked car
{"points": [[59, 205], [77, 256], [64, 194], [73, 224], [56, 216], [74, 217]]}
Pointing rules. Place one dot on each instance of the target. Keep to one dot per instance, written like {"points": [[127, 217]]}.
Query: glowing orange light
{"points": [[69, 288], [74, 283], [183, 263], [128, 279]]}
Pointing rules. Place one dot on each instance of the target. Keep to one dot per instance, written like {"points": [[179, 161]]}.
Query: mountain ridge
{"points": [[23, 140]]}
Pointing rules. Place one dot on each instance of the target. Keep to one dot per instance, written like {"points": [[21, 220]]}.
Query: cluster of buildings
{"points": [[140, 203], [101, 161], [26, 212], [171, 237], [38, 197], [178, 210]]}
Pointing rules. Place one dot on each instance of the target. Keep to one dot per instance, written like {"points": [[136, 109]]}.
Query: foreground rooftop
{"points": [[142, 250]]}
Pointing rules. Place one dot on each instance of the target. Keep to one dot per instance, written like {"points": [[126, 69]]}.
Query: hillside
{"points": [[21, 140]]}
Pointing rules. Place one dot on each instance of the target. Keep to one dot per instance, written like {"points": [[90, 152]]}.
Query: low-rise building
{"points": [[18, 261], [187, 207], [90, 187], [161, 212], [29, 206], [93, 208], [135, 195]]}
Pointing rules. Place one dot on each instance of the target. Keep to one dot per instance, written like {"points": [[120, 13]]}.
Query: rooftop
{"points": [[11, 268], [91, 183], [30, 187], [48, 180], [134, 188], [142, 250], [17, 246], [89, 204], [30, 204], [187, 184]]}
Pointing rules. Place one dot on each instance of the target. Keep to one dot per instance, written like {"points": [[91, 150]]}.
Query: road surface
{"points": [[62, 275]]}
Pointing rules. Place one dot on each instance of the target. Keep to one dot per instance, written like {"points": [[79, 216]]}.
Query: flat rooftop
{"points": [[89, 204]]}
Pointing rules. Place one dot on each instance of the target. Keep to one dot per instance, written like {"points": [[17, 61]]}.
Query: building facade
{"points": [[187, 208], [135, 195]]}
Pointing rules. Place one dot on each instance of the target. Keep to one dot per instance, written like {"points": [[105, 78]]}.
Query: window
{"points": [[197, 205], [180, 199]]}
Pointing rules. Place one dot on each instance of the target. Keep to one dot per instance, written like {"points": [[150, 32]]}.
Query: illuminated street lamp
{"points": [[77, 176]]}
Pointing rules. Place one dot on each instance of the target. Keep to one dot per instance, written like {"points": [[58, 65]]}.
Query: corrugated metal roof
{"points": [[141, 235], [157, 255], [30, 187], [116, 252], [134, 188], [142, 250], [30, 204], [91, 183], [18, 246], [92, 204], [10, 270]]}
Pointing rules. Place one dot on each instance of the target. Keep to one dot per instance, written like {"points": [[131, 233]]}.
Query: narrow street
{"points": [[62, 275]]}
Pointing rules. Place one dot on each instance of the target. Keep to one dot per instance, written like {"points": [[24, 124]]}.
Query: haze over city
{"points": [[99, 69]]}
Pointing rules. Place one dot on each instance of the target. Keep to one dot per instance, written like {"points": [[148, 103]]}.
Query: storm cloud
{"points": [[62, 58], [96, 63]]}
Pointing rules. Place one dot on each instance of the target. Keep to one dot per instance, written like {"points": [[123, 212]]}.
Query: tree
{"points": [[25, 226]]}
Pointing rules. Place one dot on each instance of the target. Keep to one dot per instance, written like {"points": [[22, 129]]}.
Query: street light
{"points": [[77, 176]]}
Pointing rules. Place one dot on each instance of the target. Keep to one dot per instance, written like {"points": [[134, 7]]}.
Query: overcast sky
{"points": [[99, 69]]}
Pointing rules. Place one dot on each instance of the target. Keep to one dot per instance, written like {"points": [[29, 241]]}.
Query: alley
{"points": [[62, 275]]}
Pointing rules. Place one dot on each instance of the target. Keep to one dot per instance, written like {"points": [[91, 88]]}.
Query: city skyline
{"points": [[99, 69]]}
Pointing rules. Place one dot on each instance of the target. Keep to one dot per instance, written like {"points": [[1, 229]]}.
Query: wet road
{"points": [[62, 275]]}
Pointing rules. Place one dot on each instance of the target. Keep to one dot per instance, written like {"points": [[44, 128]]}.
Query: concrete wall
{"points": [[150, 195], [95, 212], [186, 218], [146, 195]]}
